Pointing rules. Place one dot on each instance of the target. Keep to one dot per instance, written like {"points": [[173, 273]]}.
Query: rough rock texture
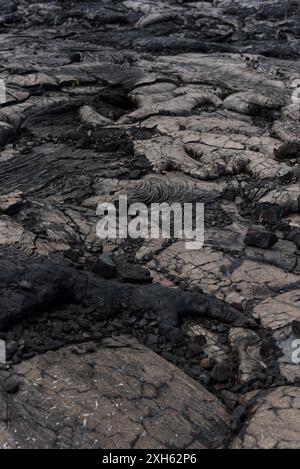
{"points": [[121, 396], [274, 423], [165, 101]]}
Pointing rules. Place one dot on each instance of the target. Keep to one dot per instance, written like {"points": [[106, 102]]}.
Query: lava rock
{"points": [[130, 273], [260, 238], [267, 213], [296, 328], [295, 237], [203, 418], [207, 363], [238, 416], [103, 266], [72, 254], [195, 348], [268, 347], [25, 285], [7, 6], [91, 347], [229, 399], [10, 385], [222, 372], [287, 150]]}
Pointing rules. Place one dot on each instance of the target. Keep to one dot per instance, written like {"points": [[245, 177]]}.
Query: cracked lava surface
{"points": [[145, 344]]}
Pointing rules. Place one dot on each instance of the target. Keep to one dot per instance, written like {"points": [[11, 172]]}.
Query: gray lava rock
{"points": [[7, 6], [107, 390]]}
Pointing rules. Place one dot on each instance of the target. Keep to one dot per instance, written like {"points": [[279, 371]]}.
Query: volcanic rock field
{"points": [[139, 344]]}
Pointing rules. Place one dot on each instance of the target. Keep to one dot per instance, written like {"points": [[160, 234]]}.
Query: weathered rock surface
{"points": [[281, 315], [274, 422], [121, 396], [165, 101]]}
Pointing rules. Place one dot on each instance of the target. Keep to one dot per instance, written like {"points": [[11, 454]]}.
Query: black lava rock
{"points": [[238, 416], [10, 385], [229, 399], [267, 213], [195, 348], [296, 328], [295, 237], [91, 347], [222, 372], [103, 266], [130, 273], [268, 347], [260, 238]]}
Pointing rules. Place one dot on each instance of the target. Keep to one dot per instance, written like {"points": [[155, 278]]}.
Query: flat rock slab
{"points": [[275, 423], [121, 396]]}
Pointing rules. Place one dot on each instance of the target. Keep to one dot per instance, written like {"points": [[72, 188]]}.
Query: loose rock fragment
{"points": [[222, 372], [133, 274], [260, 238], [103, 266], [10, 385]]}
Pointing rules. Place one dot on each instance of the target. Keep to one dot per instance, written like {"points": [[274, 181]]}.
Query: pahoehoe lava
{"points": [[144, 343]]}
